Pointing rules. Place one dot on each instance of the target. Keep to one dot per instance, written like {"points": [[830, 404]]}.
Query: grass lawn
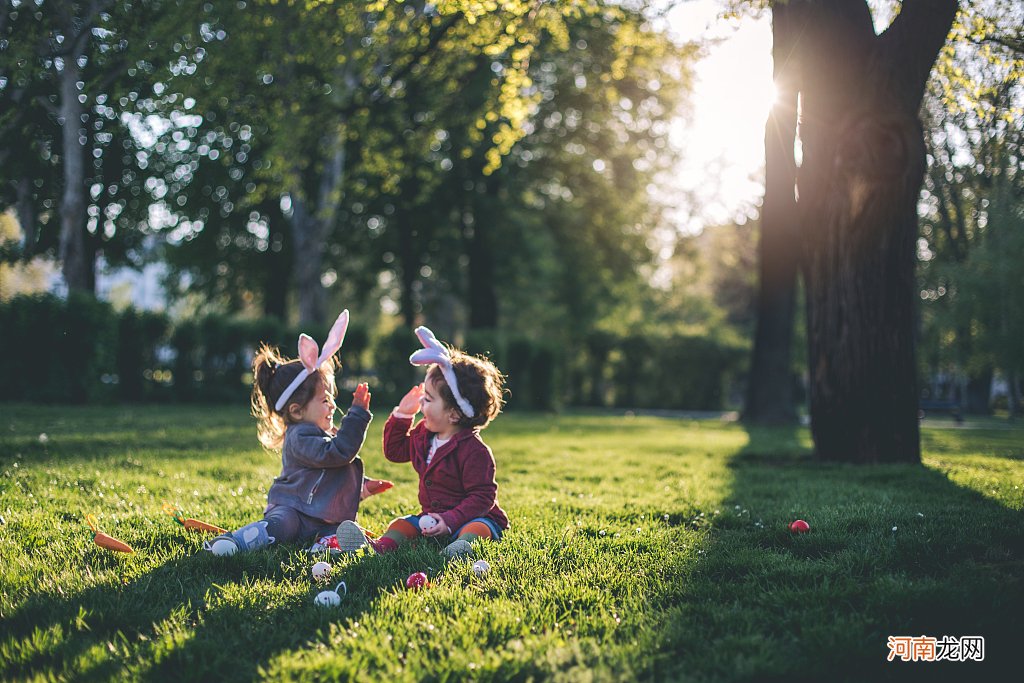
{"points": [[641, 548]]}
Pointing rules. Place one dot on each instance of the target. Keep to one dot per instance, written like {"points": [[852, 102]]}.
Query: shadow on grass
{"points": [[893, 550], [194, 618]]}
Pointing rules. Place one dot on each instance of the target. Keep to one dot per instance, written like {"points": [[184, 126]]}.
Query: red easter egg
{"points": [[416, 580], [800, 527]]}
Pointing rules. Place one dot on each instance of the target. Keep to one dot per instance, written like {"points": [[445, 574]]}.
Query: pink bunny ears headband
{"points": [[432, 352], [311, 356]]}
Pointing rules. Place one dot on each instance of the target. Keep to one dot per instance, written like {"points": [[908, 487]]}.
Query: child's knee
{"points": [[404, 526], [481, 527]]}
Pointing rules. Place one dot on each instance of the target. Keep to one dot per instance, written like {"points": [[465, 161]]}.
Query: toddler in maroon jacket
{"points": [[457, 489]]}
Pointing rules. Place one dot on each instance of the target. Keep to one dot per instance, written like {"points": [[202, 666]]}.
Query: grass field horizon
{"points": [[640, 548]]}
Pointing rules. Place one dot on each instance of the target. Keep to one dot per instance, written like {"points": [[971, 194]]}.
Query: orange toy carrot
{"points": [[190, 523], [105, 541]]}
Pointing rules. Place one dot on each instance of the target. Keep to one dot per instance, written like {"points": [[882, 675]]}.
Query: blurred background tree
{"points": [[497, 171], [69, 164], [972, 220]]}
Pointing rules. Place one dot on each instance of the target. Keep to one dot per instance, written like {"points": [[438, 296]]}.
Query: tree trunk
{"points": [[307, 261], [976, 400], [483, 300], [278, 271], [1013, 395], [311, 228], [72, 206], [26, 212], [859, 183], [409, 226], [770, 389]]}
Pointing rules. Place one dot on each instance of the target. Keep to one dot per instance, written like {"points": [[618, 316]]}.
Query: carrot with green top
{"points": [[105, 540], [189, 523]]}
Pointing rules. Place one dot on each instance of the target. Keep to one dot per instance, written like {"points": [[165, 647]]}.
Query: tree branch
{"points": [[912, 42]]}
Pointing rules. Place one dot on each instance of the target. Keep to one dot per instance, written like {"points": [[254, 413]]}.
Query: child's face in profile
{"points": [[436, 415], [319, 410]]}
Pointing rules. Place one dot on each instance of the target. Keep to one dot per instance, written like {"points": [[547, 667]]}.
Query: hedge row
{"points": [[81, 350]]}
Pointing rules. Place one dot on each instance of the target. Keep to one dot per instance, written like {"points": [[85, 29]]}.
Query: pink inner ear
{"points": [[308, 351], [336, 335]]}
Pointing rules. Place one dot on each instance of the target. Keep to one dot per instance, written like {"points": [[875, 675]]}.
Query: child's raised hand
{"points": [[410, 403], [361, 396]]}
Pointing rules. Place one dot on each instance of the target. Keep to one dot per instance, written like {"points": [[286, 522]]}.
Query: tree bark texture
{"points": [[72, 206], [858, 186], [770, 388]]}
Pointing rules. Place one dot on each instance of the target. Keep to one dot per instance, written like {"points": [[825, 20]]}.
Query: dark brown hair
{"points": [[480, 383], [272, 373]]}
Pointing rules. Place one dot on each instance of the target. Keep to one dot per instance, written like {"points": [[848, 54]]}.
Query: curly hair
{"points": [[480, 383], [272, 373]]}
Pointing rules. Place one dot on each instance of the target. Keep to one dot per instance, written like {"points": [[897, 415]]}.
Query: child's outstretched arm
{"points": [[308, 446], [397, 444]]}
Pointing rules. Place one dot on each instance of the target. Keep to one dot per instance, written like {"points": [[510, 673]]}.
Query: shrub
{"points": [[140, 333], [58, 350]]}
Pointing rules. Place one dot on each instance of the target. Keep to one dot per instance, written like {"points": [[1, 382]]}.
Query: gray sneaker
{"points": [[350, 537], [458, 549]]}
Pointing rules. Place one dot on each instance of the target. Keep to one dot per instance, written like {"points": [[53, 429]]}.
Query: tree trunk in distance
{"points": [[72, 206], [770, 388], [483, 301]]}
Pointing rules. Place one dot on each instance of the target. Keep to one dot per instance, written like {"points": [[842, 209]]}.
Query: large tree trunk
{"points": [[72, 206], [770, 389], [858, 186]]}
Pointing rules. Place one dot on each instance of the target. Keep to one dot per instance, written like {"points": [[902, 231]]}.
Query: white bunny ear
{"points": [[427, 357], [428, 339], [308, 352], [432, 352], [335, 337]]}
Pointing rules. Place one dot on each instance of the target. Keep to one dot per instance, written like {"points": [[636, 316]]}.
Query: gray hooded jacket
{"points": [[321, 475]]}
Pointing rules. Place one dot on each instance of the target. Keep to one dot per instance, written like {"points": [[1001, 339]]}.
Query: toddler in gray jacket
{"points": [[321, 480]]}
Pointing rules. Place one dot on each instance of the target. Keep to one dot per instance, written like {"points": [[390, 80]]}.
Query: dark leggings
{"points": [[287, 525]]}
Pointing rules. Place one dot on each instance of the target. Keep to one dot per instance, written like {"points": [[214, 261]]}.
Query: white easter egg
{"points": [[327, 599], [481, 567], [321, 570], [427, 523]]}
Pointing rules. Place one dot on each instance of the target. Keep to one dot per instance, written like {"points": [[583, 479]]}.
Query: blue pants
{"points": [[288, 525]]}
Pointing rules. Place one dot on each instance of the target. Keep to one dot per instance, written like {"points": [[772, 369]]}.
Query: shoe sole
{"points": [[458, 549], [351, 537]]}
